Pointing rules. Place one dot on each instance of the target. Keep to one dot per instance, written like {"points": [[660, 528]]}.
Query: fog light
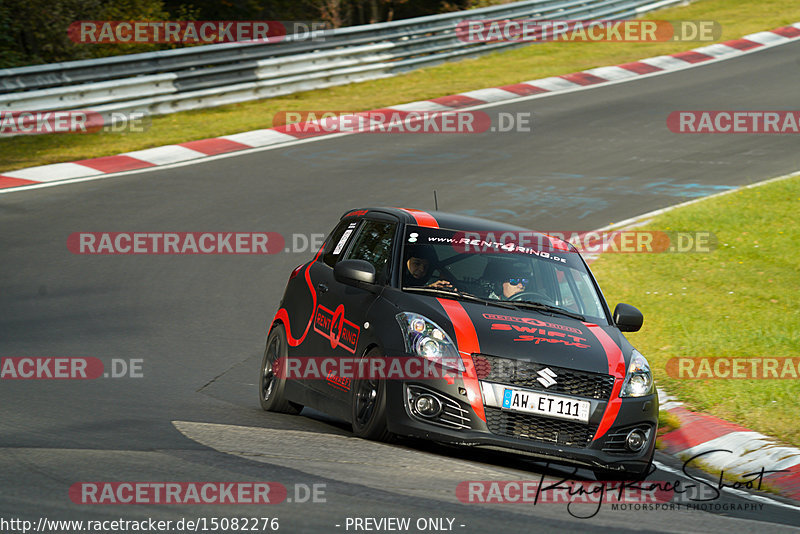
{"points": [[635, 440], [427, 405]]}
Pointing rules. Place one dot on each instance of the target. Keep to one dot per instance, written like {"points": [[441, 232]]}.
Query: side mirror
{"points": [[628, 318], [354, 272]]}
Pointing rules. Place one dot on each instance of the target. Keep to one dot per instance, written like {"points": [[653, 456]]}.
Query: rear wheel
{"points": [[271, 386], [368, 402]]}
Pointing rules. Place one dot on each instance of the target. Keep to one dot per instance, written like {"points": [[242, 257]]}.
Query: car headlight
{"points": [[426, 339], [639, 380]]}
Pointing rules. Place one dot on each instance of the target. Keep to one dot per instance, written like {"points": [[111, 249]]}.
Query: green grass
{"points": [[737, 301], [737, 17], [667, 422]]}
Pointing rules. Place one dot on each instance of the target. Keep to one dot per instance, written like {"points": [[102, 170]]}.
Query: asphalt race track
{"points": [[198, 322]]}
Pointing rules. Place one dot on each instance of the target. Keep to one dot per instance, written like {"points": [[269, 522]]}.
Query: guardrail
{"points": [[204, 76]]}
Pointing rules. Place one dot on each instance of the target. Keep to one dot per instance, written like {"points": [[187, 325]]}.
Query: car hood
{"points": [[545, 338], [528, 335]]}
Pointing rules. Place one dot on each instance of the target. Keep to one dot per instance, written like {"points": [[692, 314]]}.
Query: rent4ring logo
{"points": [[68, 368], [333, 326]]}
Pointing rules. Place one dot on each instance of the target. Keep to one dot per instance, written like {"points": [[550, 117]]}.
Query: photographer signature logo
{"points": [[578, 495]]}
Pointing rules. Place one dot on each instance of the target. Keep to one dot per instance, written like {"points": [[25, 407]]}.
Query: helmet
{"points": [[498, 270], [424, 252]]}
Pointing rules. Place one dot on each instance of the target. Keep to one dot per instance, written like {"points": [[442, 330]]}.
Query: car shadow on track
{"points": [[519, 462], [237, 386]]}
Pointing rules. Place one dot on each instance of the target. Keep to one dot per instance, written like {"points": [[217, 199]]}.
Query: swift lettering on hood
{"points": [[551, 335], [531, 321]]}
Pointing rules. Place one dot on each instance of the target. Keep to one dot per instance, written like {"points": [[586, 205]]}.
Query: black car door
{"points": [[317, 344], [341, 309]]}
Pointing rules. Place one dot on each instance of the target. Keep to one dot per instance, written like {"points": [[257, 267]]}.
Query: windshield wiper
{"points": [[461, 294], [549, 308]]}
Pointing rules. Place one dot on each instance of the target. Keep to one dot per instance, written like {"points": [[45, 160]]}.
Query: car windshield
{"points": [[526, 270]]}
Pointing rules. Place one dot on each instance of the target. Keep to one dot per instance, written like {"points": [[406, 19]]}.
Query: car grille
{"points": [[523, 374], [534, 427]]}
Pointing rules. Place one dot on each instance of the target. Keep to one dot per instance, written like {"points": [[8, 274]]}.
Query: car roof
{"points": [[442, 219]]}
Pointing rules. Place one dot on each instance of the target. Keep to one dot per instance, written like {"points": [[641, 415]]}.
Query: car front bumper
{"points": [[543, 437]]}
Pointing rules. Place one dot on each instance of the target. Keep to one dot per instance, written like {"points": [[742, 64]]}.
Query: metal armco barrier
{"points": [[211, 75]]}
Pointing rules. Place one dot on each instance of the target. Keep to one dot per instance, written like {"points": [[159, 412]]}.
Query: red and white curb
{"points": [[699, 432], [750, 452], [195, 150]]}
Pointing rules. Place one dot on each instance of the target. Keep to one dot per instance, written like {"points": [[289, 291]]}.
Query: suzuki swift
{"points": [[471, 332]]}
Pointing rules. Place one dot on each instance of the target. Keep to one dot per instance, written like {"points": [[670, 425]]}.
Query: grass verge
{"points": [[667, 422], [737, 17], [739, 301]]}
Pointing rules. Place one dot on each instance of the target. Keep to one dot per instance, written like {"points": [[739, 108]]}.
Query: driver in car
{"points": [[512, 286], [508, 282], [420, 262]]}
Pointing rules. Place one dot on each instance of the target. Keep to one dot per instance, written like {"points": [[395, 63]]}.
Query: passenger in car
{"points": [[420, 262]]}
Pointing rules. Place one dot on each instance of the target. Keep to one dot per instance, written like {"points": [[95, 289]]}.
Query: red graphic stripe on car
{"points": [[283, 315], [423, 218], [616, 367], [467, 341]]}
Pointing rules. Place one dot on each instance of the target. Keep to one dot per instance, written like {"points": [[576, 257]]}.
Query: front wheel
{"points": [[368, 406], [271, 386]]}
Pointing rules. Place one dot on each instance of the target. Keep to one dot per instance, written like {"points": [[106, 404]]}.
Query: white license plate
{"points": [[561, 407]]}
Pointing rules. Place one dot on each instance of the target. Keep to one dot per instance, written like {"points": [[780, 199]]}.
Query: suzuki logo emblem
{"points": [[546, 377]]}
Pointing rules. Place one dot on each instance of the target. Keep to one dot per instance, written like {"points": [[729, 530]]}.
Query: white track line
{"points": [[739, 493]]}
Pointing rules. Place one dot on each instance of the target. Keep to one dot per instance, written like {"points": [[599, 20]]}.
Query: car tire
{"points": [[368, 406], [271, 388]]}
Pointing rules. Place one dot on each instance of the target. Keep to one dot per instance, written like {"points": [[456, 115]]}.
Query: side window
{"points": [[337, 242], [587, 293], [374, 244], [576, 292], [568, 299]]}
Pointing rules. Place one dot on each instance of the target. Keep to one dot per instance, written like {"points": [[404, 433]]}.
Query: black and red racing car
{"points": [[465, 331]]}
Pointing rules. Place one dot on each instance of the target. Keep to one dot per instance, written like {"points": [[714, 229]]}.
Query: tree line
{"points": [[35, 31]]}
